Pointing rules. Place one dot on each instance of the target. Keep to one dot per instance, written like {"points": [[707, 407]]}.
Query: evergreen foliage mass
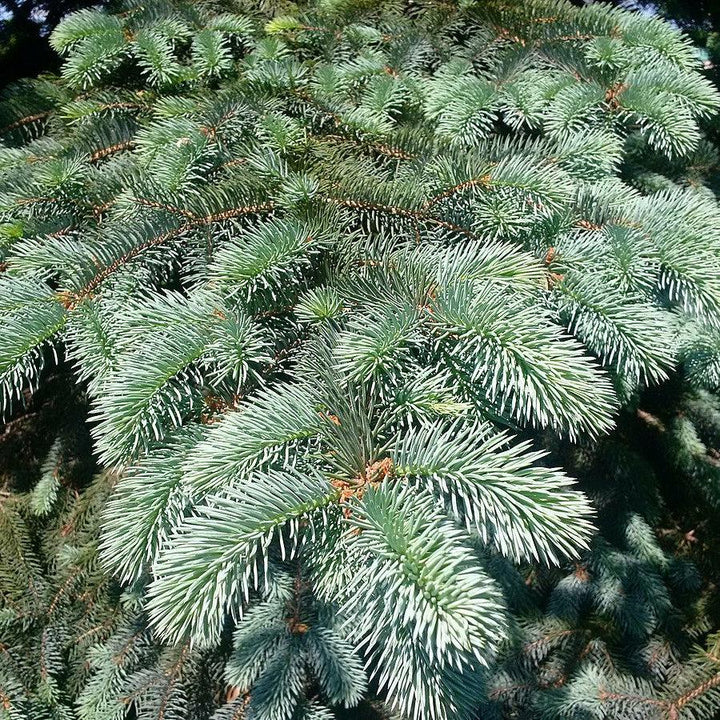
{"points": [[356, 291]]}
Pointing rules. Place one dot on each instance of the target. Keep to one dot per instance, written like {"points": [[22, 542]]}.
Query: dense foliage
{"points": [[344, 296], [700, 20]]}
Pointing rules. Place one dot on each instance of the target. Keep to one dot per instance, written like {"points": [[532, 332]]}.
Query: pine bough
{"points": [[318, 270]]}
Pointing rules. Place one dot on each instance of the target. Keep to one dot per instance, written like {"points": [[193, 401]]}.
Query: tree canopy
{"points": [[394, 328]]}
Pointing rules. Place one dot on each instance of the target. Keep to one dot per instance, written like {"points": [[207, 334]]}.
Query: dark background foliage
{"points": [[24, 29]]}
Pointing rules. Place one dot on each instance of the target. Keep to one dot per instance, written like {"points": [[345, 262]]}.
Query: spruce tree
{"points": [[354, 291]]}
